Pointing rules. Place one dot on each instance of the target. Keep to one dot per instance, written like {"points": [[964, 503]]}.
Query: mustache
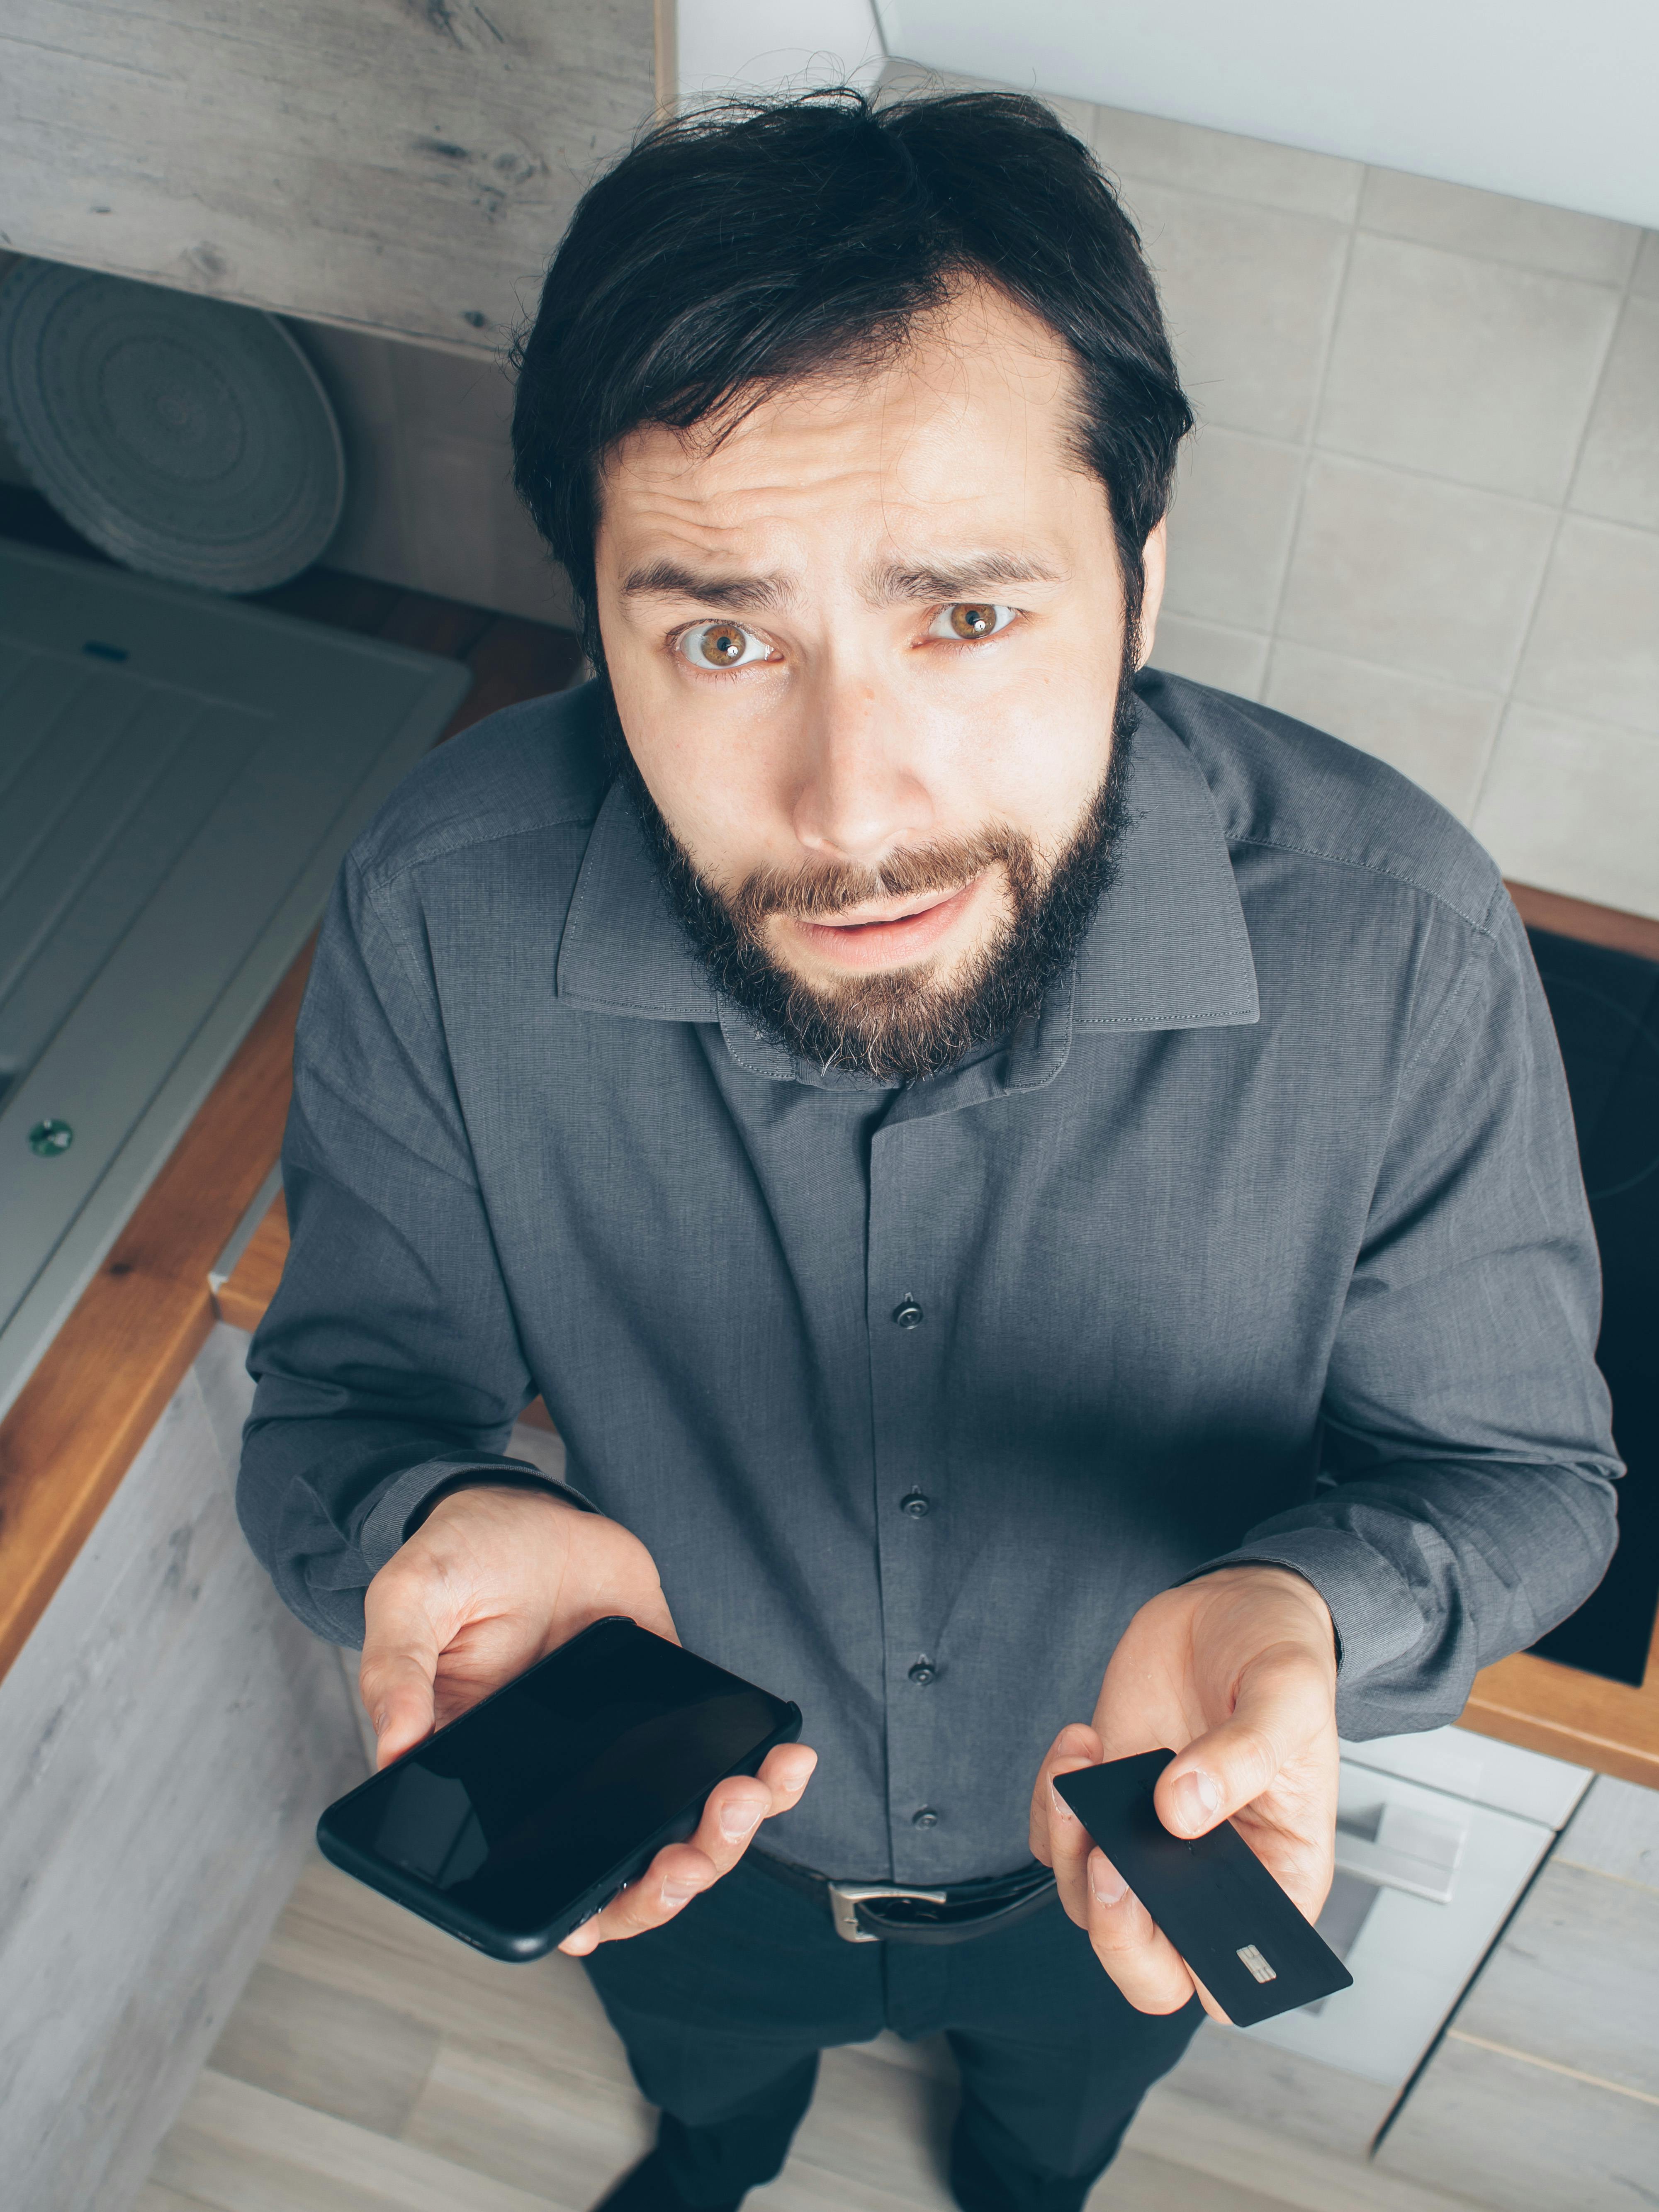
{"points": [[806, 894]]}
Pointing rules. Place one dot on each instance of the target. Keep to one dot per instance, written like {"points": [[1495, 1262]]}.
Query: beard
{"points": [[907, 1023]]}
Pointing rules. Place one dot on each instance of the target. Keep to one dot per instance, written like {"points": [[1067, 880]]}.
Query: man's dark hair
{"points": [[736, 249]]}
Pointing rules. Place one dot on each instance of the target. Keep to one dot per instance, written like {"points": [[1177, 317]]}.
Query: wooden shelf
{"points": [[1543, 1706], [77, 1424]]}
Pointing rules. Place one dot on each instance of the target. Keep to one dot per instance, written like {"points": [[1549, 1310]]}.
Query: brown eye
{"points": [[721, 645], [967, 621]]}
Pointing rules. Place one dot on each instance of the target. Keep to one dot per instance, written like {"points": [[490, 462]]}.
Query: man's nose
{"points": [[859, 794]]}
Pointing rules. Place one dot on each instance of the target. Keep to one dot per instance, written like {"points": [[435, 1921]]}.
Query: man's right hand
{"points": [[495, 1578]]}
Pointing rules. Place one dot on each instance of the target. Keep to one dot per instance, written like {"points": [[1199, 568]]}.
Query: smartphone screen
{"points": [[510, 1823]]}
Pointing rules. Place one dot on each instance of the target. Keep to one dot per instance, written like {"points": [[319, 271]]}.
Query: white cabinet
{"points": [[1440, 1835], [1425, 1880]]}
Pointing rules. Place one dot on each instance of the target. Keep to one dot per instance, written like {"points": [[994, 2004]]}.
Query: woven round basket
{"points": [[185, 438]]}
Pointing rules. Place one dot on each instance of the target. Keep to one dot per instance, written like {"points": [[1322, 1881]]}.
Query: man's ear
{"points": [[1154, 562]]}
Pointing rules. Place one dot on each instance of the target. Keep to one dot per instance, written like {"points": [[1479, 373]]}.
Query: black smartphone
{"points": [[1230, 1920], [515, 1823]]}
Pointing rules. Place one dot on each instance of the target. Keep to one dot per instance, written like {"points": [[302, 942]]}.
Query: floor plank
{"points": [[348, 1939], [376, 2065], [334, 2051], [240, 2149], [488, 2109], [1200, 2138], [153, 2198], [1139, 2183], [873, 2125]]}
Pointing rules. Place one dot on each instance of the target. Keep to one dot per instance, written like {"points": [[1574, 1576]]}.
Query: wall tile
{"points": [[1491, 224], [1230, 660], [1593, 650], [430, 503], [1644, 281], [527, 581], [1229, 527], [355, 368], [1249, 294], [1435, 734], [371, 539], [1430, 578], [451, 395], [1220, 161], [468, 538], [1078, 115], [1573, 806], [1464, 367], [1619, 469]]}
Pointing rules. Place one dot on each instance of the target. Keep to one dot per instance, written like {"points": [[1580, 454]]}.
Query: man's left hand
{"points": [[1236, 1674]]}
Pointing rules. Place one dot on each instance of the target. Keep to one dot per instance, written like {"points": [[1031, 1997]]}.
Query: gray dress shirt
{"points": [[1266, 1241]]}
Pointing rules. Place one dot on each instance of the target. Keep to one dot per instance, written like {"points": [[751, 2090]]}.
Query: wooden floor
{"points": [[373, 2063]]}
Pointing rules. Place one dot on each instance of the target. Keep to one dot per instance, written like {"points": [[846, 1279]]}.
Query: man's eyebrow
{"points": [[672, 580], [973, 575]]}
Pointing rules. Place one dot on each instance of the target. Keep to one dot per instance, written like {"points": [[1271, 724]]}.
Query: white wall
{"points": [[1527, 97], [738, 45]]}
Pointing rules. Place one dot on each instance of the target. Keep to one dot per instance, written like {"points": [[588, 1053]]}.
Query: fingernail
{"points": [[1197, 1799], [679, 1893], [1061, 1808], [1107, 1883], [737, 1821]]}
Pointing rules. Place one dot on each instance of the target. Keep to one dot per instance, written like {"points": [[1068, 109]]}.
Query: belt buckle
{"points": [[846, 1897]]}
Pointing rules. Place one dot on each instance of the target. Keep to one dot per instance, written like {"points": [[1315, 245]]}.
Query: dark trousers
{"points": [[724, 2011]]}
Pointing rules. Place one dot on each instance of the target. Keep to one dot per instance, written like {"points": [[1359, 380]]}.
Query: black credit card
{"points": [[1211, 1895]]}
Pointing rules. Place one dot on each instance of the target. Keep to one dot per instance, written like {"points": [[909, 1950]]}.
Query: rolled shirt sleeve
{"points": [[1466, 1503], [388, 1366]]}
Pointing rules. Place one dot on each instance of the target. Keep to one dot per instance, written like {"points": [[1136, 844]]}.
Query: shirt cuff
{"points": [[1373, 1609], [406, 1501]]}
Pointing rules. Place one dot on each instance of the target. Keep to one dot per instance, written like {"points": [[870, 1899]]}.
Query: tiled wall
{"points": [[429, 502], [1422, 510]]}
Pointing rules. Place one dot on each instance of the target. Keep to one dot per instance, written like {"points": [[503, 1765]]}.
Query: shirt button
{"points": [[924, 1672], [927, 1818], [907, 1314], [916, 1506]]}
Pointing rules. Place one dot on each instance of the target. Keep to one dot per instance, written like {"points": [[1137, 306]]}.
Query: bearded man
{"points": [[1039, 1197]]}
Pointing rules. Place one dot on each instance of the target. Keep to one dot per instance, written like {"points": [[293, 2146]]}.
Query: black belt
{"points": [[891, 1912]]}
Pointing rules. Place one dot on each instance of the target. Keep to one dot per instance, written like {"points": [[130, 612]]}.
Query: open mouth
{"points": [[883, 935]]}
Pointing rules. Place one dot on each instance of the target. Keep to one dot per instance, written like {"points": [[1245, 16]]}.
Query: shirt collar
{"points": [[1168, 950]]}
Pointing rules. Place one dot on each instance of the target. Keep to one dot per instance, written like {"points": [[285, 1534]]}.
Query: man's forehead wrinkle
{"points": [[678, 579]]}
